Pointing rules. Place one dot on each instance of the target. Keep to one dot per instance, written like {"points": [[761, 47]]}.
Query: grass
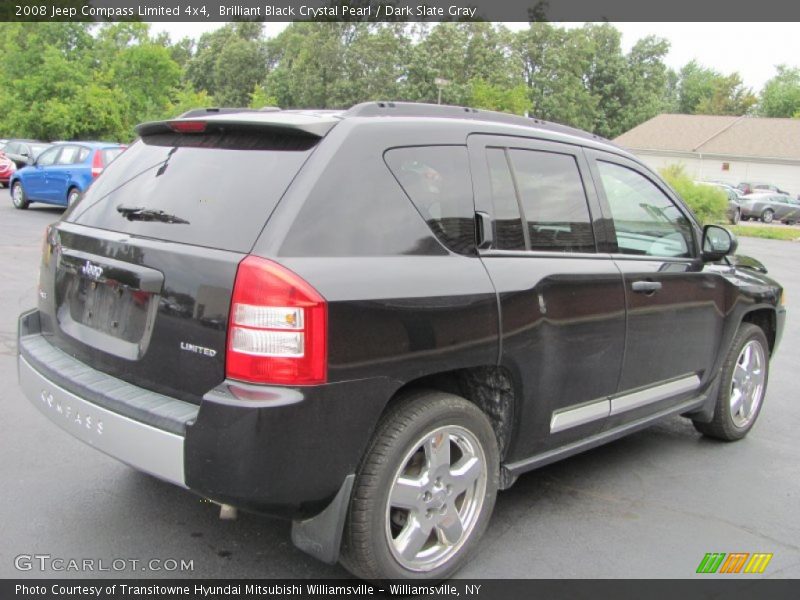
{"points": [[766, 232]]}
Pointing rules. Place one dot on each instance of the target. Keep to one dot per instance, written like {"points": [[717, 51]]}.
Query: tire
{"points": [[737, 216], [377, 529], [18, 198], [767, 215], [73, 196], [744, 384]]}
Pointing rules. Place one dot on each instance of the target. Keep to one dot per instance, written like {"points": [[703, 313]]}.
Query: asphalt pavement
{"points": [[650, 505]]}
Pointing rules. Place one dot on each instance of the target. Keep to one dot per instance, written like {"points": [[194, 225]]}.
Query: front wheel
{"points": [[425, 491], [768, 215], [736, 217], [744, 384], [18, 197]]}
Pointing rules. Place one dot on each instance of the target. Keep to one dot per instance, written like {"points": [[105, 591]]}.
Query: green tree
{"points": [[495, 97], [781, 94], [705, 91]]}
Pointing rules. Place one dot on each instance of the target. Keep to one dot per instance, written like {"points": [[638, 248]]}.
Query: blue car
{"points": [[60, 174]]}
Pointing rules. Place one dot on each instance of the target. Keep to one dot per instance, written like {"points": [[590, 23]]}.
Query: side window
{"points": [[437, 180], [646, 220], [12, 148], [553, 201], [48, 157], [82, 155], [68, 155], [508, 233]]}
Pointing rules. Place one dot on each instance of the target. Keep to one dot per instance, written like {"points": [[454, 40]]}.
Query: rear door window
{"points": [[213, 190], [437, 180], [553, 201], [69, 155]]}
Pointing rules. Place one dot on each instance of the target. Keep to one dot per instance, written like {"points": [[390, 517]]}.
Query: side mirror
{"points": [[718, 243]]}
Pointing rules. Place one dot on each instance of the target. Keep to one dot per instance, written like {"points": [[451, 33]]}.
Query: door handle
{"points": [[646, 287]]}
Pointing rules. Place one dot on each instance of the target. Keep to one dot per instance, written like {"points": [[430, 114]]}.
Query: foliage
{"points": [[65, 80], [705, 91], [781, 94], [707, 202]]}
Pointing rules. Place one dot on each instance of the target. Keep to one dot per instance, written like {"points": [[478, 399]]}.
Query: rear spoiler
{"points": [[275, 122]]}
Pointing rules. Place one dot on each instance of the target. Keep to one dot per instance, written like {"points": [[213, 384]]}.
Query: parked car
{"points": [[734, 211], [7, 169], [24, 152], [769, 206], [62, 173], [3, 145], [374, 319], [753, 188]]}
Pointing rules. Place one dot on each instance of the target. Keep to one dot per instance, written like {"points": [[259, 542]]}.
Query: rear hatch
{"points": [[137, 277]]}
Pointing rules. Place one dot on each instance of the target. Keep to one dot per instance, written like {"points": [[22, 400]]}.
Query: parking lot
{"points": [[649, 506]]}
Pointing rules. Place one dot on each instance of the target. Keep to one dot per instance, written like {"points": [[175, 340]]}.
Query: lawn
{"points": [[767, 232]]}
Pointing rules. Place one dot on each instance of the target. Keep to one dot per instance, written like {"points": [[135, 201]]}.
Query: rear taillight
{"points": [[187, 126], [278, 330], [97, 163]]}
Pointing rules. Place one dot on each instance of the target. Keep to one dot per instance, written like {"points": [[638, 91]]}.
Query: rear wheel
{"points": [[744, 383], [768, 215], [73, 196], [18, 197], [425, 492]]}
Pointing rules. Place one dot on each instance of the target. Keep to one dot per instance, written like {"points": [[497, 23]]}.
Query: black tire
{"points": [[767, 216], [18, 197], [73, 195], [723, 426], [373, 527]]}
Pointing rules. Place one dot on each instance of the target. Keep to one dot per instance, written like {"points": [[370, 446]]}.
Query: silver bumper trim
{"points": [[146, 448]]}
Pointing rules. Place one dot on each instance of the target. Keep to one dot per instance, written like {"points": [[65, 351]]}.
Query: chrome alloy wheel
{"points": [[747, 384], [436, 498]]}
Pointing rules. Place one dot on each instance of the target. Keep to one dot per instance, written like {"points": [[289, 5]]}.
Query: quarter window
{"points": [[437, 180], [646, 220]]}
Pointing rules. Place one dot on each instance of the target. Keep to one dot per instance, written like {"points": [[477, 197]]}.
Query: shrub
{"points": [[707, 202]]}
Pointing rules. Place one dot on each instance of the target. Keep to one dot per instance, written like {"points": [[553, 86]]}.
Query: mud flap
{"points": [[321, 536]]}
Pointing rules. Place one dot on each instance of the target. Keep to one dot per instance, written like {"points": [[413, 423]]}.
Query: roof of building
{"points": [[709, 134]]}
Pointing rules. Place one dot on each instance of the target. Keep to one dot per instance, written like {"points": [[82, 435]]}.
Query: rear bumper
{"points": [[273, 450], [136, 426], [142, 446]]}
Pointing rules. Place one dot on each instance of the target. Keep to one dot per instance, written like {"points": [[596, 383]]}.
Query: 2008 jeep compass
{"points": [[370, 321]]}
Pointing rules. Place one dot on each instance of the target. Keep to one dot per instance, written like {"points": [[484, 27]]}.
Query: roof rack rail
{"points": [[445, 111], [216, 110]]}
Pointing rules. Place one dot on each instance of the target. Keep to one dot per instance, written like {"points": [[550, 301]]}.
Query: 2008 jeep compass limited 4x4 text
{"points": [[369, 321]]}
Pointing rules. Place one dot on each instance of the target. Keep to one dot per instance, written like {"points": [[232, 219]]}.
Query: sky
{"points": [[751, 49]]}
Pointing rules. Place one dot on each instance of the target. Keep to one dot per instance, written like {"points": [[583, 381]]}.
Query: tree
{"points": [[495, 97], [781, 94], [229, 63], [705, 91]]}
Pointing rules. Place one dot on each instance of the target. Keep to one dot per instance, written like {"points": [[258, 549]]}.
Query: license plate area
{"points": [[106, 303]]}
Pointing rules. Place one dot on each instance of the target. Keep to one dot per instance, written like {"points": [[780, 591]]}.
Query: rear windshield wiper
{"points": [[145, 214]]}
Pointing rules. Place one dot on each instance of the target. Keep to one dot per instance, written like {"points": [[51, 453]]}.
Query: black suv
{"points": [[370, 321]]}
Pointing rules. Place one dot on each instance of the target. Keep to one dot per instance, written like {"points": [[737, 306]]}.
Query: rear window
{"points": [[218, 189]]}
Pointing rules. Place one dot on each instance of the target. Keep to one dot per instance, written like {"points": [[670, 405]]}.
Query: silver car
{"points": [[770, 206]]}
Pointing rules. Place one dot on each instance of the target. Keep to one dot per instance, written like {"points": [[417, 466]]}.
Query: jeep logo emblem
{"points": [[92, 271]]}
